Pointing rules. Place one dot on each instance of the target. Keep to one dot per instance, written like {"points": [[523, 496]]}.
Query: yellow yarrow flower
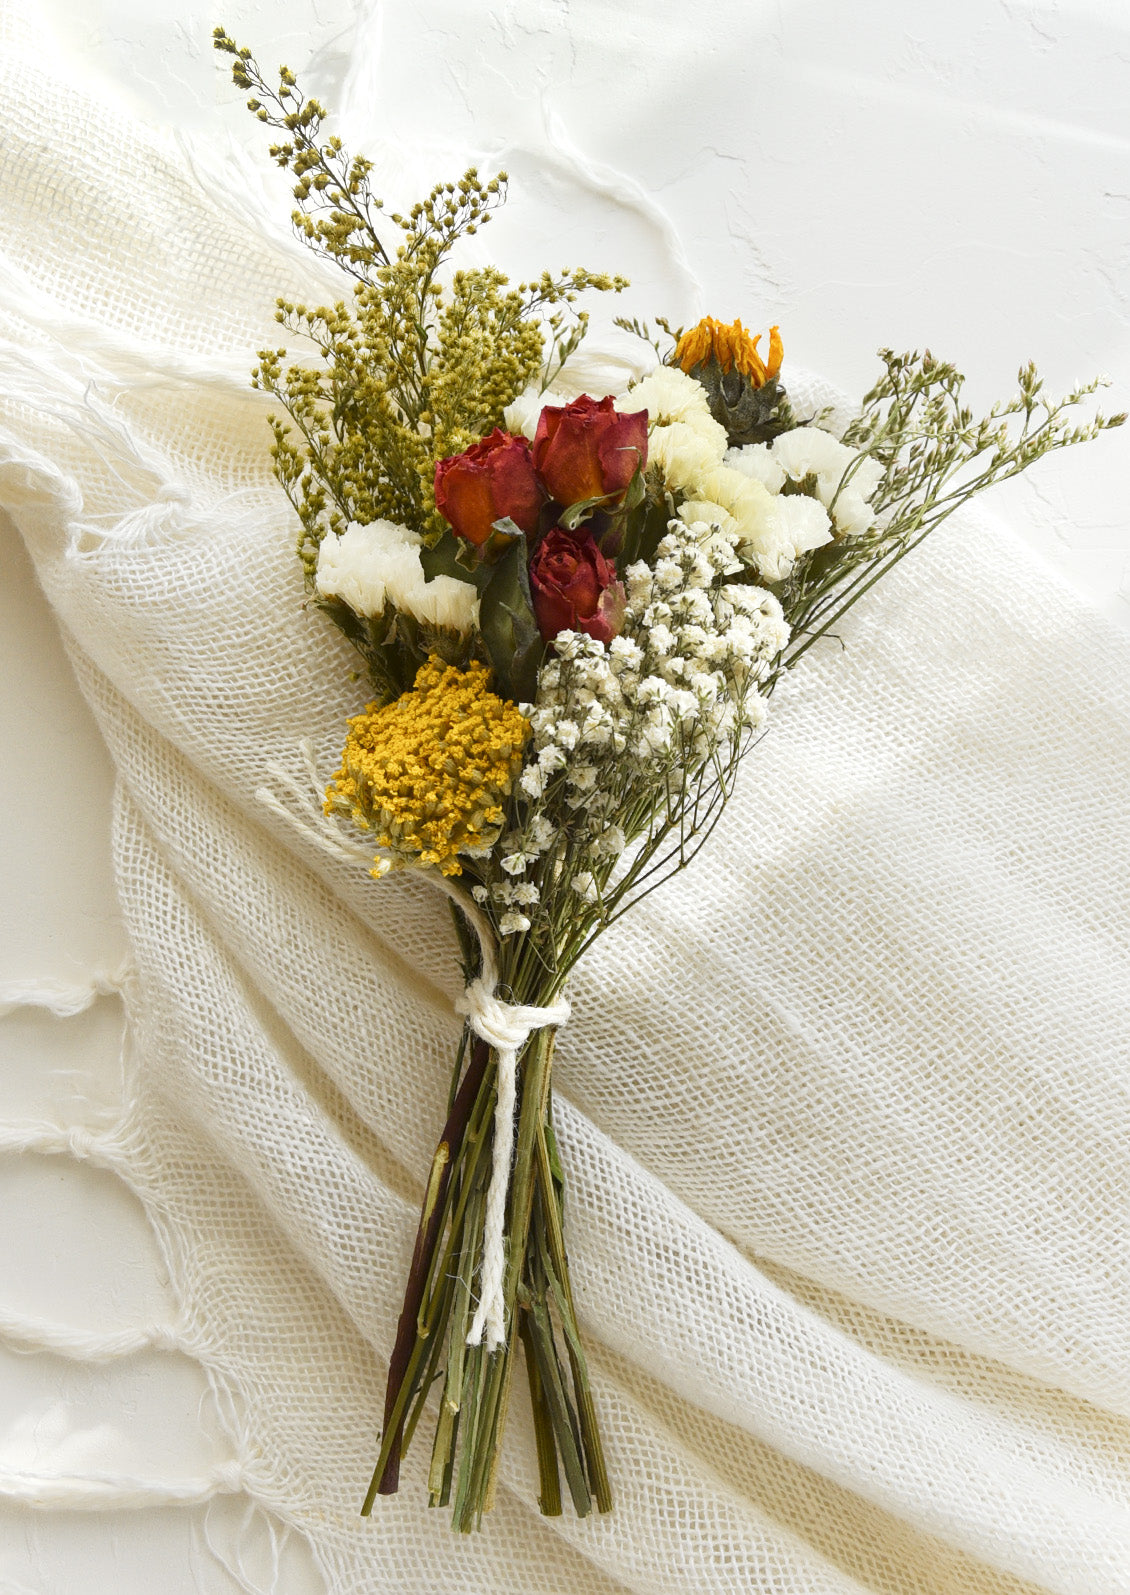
{"points": [[733, 349], [428, 773]]}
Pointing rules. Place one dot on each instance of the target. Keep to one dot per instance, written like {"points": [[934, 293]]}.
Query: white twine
{"points": [[506, 1027]]}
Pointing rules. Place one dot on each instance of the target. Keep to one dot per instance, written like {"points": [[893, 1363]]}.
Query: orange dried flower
{"points": [[732, 348]]}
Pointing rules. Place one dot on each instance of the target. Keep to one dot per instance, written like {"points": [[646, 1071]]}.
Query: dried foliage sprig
{"points": [[936, 456]]}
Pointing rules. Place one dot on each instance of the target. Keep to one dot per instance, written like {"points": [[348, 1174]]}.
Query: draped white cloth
{"points": [[843, 1110]]}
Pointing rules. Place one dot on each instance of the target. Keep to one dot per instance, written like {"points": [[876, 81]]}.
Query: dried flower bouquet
{"points": [[571, 614]]}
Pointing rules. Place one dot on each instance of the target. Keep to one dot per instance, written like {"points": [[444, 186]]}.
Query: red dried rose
{"points": [[488, 482], [574, 588], [587, 449]]}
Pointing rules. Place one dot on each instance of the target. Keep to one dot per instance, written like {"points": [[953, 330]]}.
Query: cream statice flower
{"points": [[686, 452], [685, 442], [667, 394], [810, 451], [370, 566]]}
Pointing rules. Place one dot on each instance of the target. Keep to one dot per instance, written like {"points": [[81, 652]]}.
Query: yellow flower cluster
{"points": [[732, 347], [428, 773]]}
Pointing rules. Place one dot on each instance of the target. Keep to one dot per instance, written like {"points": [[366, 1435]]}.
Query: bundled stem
{"points": [[439, 1305]]}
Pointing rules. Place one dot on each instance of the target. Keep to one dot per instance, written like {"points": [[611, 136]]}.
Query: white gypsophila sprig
{"points": [[634, 746]]}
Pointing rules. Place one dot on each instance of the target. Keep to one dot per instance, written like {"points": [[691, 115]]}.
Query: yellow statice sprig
{"points": [[428, 774]]}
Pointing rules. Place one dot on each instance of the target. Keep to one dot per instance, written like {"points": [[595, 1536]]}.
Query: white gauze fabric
{"points": [[843, 1111]]}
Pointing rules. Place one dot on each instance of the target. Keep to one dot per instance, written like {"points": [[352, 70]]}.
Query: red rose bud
{"points": [[574, 588], [486, 483], [587, 449]]}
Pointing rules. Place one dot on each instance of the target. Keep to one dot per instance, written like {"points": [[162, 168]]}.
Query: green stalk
{"points": [[549, 1478], [549, 1191]]}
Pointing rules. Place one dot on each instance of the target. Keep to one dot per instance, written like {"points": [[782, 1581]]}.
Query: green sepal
{"points": [[652, 529], [380, 640], [631, 521], [453, 556], [750, 414], [581, 511], [508, 627]]}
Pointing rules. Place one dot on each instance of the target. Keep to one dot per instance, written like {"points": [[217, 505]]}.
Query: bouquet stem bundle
{"points": [[437, 1315]]}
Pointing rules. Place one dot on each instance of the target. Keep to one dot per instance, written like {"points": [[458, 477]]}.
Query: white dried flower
{"points": [[582, 777], [796, 525], [370, 566], [542, 834], [532, 782], [810, 451], [355, 565], [667, 394], [686, 453], [760, 462], [584, 884], [610, 842]]}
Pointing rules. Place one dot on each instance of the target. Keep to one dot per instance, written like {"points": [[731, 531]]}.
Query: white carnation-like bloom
{"points": [[743, 497], [370, 566], [521, 416], [667, 394], [853, 515], [686, 452], [356, 565], [760, 462], [693, 511], [799, 525], [810, 451], [771, 530], [444, 601]]}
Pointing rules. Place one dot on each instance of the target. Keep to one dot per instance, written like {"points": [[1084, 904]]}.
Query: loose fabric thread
{"points": [[23, 1333], [60, 997], [95, 1491], [59, 1140]]}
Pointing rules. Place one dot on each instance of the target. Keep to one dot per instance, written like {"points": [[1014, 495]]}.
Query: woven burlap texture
{"points": [[843, 1109]]}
